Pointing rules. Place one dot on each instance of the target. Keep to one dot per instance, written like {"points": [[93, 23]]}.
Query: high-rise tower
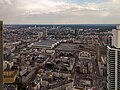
{"points": [[113, 57], [1, 57]]}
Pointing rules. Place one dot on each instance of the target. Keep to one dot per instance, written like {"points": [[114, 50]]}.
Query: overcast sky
{"points": [[60, 11]]}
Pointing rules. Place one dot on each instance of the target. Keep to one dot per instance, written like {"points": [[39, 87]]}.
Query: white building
{"points": [[4, 65], [23, 71], [113, 58], [7, 64]]}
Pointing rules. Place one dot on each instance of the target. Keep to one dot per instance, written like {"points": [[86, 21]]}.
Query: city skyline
{"points": [[57, 57], [60, 11]]}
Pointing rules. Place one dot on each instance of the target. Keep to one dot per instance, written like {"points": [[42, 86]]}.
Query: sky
{"points": [[60, 11]]}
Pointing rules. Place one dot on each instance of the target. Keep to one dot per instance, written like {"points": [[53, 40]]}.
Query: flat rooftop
{"points": [[67, 46], [45, 43]]}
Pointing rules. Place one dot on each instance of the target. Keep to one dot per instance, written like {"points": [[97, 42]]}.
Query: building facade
{"points": [[1, 56], [113, 65]]}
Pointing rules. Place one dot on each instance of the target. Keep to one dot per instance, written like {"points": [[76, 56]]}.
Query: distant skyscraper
{"points": [[76, 32], [45, 33], [40, 35], [113, 65], [109, 40], [1, 57]]}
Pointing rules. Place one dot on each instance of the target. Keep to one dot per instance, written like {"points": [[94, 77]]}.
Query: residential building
{"points": [[113, 65]]}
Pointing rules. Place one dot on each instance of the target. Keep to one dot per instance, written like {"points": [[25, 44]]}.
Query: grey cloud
{"points": [[50, 11]]}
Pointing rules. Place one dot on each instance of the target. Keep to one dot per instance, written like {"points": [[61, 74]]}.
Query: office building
{"points": [[76, 32], [40, 35], [1, 57], [113, 65], [109, 41]]}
